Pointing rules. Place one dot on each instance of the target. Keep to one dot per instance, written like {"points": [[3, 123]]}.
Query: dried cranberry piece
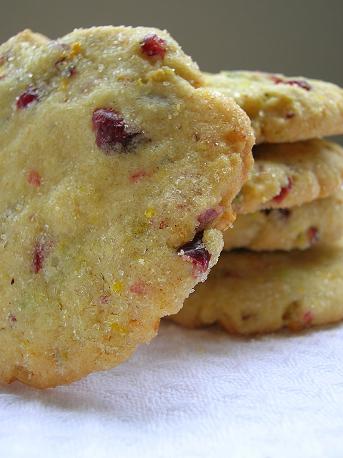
{"points": [[313, 235], [300, 83], [276, 79], [34, 178], [112, 132], [196, 252], [27, 98], [207, 217], [153, 46], [138, 175], [71, 70], [139, 288], [104, 299], [38, 258], [40, 252], [284, 191], [12, 317]]}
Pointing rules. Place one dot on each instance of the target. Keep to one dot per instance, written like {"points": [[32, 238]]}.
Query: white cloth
{"points": [[191, 394]]}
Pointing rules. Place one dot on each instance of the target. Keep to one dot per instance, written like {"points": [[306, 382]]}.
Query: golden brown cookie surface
{"points": [[114, 166], [250, 293], [281, 108], [320, 221], [286, 175]]}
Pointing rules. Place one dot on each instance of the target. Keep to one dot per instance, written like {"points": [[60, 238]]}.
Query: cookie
{"points": [[290, 174], [283, 109], [250, 293], [288, 228], [117, 171]]}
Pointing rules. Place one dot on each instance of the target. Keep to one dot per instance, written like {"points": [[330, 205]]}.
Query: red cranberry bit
{"points": [[38, 257], [27, 98], [71, 70], [313, 235], [207, 217], [139, 288], [284, 191], [34, 179], [276, 79], [104, 299], [12, 318], [300, 83], [137, 176], [163, 224], [196, 253], [153, 46], [112, 132], [40, 252]]}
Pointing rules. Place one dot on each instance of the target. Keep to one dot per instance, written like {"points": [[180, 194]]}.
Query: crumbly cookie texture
{"points": [[117, 172], [251, 293], [291, 174], [281, 108], [320, 221]]}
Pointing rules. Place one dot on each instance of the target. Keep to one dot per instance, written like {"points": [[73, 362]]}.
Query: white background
{"points": [[191, 394]]}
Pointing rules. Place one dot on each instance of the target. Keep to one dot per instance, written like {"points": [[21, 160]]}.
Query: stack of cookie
{"points": [[121, 168], [292, 204]]}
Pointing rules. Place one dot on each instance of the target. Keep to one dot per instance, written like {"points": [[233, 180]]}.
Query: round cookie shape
{"points": [[118, 173], [254, 293], [283, 109], [291, 174], [320, 221]]}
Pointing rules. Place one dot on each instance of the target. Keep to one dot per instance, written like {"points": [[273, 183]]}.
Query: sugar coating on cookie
{"points": [[317, 222], [251, 293], [118, 173], [282, 108], [286, 175]]}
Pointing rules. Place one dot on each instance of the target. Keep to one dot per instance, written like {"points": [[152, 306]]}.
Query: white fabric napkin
{"points": [[191, 394]]}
